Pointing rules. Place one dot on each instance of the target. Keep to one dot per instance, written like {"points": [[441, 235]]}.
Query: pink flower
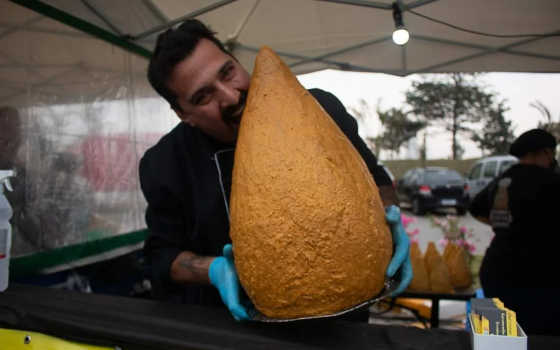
{"points": [[463, 229], [470, 246], [460, 243], [414, 240], [413, 232], [407, 220], [443, 242]]}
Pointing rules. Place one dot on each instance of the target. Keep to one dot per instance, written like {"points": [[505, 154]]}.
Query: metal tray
{"points": [[388, 290]]}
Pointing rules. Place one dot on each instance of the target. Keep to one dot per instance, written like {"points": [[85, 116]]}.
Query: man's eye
{"points": [[228, 73], [202, 98]]}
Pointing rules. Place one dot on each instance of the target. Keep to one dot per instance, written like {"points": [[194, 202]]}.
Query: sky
{"points": [[518, 89]]}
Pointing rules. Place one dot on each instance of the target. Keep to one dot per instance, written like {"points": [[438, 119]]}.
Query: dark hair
{"points": [[532, 141], [173, 46]]}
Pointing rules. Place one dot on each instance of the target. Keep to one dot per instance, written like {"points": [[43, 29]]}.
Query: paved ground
{"points": [[482, 233]]}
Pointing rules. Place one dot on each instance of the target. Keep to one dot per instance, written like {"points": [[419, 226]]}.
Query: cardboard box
{"points": [[498, 342]]}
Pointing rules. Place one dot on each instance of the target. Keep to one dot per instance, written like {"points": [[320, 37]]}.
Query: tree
{"points": [[497, 133], [399, 129], [423, 149], [362, 113], [395, 131], [550, 125], [450, 101]]}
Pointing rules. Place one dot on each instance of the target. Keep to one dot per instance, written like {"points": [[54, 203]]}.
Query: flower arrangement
{"points": [[412, 234], [455, 233]]}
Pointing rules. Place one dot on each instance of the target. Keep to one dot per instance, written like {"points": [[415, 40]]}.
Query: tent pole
{"points": [[83, 26], [341, 65], [193, 14], [96, 11], [155, 11], [341, 51], [484, 47], [417, 3], [370, 4], [503, 48]]}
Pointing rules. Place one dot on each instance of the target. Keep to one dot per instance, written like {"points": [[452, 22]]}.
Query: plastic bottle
{"points": [[5, 229]]}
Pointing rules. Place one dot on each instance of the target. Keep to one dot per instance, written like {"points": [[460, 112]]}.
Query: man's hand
{"points": [[224, 277], [400, 265]]}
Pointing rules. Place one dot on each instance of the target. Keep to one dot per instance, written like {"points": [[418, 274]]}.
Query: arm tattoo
{"points": [[388, 196], [195, 266]]}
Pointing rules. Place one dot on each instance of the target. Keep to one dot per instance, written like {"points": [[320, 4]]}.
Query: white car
{"points": [[483, 171]]}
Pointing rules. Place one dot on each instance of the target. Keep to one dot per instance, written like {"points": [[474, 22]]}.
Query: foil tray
{"points": [[390, 287]]}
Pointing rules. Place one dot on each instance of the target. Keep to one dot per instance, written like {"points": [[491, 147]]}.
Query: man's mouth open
{"points": [[235, 117]]}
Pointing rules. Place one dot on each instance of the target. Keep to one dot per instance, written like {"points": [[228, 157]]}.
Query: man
{"points": [[186, 177], [523, 207]]}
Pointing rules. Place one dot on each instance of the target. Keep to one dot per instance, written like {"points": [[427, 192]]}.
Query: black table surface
{"points": [[465, 295], [142, 324]]}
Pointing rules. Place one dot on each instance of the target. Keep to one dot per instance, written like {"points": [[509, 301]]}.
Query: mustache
{"points": [[232, 114]]}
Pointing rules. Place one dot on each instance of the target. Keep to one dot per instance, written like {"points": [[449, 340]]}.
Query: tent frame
{"points": [[86, 27], [129, 42]]}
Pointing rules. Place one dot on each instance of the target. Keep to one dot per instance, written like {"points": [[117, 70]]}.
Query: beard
{"points": [[232, 115]]}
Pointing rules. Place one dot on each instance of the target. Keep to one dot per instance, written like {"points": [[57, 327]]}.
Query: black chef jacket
{"points": [[523, 205], [182, 178]]}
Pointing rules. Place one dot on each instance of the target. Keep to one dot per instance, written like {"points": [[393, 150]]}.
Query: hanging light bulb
{"points": [[400, 35]]}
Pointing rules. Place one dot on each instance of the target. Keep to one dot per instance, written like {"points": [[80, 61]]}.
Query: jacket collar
{"points": [[208, 145]]}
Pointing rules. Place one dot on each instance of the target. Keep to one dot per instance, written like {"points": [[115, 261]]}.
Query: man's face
{"points": [[211, 88]]}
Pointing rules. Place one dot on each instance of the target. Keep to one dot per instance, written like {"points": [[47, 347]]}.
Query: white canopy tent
{"points": [[74, 73], [313, 35]]}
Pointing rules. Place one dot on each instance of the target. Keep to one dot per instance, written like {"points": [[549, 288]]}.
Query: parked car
{"points": [[433, 187], [483, 171]]}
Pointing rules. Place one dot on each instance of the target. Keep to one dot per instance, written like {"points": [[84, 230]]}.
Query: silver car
{"points": [[483, 171]]}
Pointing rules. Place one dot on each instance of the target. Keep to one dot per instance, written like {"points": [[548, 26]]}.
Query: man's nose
{"points": [[229, 96]]}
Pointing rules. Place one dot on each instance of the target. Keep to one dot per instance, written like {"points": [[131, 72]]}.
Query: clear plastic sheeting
{"points": [[76, 116]]}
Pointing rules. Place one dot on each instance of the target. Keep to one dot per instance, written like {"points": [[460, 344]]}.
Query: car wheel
{"points": [[461, 211], [417, 208]]}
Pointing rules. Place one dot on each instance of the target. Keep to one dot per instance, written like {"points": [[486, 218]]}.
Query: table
{"points": [[135, 324], [465, 295]]}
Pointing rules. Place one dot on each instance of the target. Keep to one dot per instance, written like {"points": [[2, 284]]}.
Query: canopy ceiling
{"points": [[310, 35]]}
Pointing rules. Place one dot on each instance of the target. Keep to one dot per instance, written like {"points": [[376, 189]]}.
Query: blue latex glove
{"points": [[224, 277], [400, 265]]}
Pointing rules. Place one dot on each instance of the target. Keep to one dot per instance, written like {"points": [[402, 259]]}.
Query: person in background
{"points": [[66, 201], [181, 175], [523, 207]]}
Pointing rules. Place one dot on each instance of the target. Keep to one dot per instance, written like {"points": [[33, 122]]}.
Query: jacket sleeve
{"points": [[166, 226], [349, 127], [480, 205]]}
